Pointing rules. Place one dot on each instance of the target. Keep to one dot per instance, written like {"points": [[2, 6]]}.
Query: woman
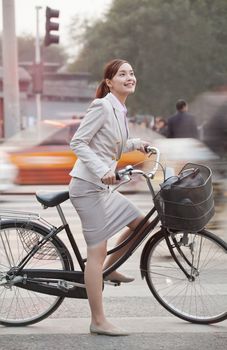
{"points": [[98, 144]]}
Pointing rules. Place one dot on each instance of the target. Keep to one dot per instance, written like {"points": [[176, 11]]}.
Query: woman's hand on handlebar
{"points": [[143, 146], [109, 178]]}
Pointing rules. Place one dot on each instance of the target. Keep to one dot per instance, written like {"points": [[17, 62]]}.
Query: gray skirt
{"points": [[102, 213]]}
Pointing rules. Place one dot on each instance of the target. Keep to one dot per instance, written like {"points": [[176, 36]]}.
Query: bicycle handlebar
{"points": [[129, 170]]}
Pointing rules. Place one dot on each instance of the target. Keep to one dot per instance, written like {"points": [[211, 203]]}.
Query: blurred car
{"points": [[42, 154], [8, 172], [176, 152]]}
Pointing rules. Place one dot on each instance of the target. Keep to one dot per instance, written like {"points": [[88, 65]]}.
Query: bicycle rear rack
{"points": [[24, 216], [28, 237]]}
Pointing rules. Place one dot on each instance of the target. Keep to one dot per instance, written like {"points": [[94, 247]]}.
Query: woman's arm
{"points": [[92, 122]]}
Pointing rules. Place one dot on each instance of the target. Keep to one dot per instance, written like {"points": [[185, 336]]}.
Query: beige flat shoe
{"points": [[120, 279], [116, 332]]}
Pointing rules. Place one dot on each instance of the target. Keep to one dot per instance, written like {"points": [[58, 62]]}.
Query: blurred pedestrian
{"points": [[98, 143], [215, 132], [160, 126], [182, 124]]}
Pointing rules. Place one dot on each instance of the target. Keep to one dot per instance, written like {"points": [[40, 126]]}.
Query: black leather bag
{"points": [[185, 202], [187, 179]]}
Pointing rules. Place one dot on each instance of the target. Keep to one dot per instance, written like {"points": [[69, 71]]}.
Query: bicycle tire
{"points": [[203, 300], [19, 306]]}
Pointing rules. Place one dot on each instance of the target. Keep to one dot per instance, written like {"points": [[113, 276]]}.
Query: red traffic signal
{"points": [[51, 26]]}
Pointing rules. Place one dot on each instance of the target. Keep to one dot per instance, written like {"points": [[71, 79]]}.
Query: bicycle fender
{"points": [[60, 243], [145, 252]]}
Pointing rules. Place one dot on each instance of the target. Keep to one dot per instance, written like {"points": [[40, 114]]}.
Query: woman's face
{"points": [[124, 81]]}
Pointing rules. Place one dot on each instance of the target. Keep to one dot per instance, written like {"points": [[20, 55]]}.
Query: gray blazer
{"points": [[99, 141]]}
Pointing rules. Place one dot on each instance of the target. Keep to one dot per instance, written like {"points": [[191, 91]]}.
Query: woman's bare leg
{"points": [[93, 282], [115, 256]]}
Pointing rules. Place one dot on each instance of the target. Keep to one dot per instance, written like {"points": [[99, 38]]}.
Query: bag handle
{"points": [[191, 174]]}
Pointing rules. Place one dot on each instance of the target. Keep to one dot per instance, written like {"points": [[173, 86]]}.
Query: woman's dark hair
{"points": [[180, 104], [110, 70]]}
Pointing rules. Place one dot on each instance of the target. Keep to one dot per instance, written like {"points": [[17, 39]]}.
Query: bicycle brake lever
{"points": [[124, 172], [127, 179]]}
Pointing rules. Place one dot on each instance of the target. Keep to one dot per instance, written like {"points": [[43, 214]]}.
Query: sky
{"points": [[25, 14]]}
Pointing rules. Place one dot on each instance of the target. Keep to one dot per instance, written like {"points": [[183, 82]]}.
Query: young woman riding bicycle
{"points": [[98, 143]]}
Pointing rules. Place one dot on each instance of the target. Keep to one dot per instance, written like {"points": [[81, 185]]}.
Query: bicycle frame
{"points": [[76, 277], [138, 235]]}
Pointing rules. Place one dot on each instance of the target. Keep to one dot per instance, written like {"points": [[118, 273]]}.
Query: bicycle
{"points": [[185, 269]]}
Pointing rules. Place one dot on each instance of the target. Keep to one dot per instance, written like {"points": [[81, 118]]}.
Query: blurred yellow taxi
{"points": [[42, 154], [8, 172]]}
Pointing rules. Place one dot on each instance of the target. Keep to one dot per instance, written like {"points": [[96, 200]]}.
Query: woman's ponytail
{"points": [[102, 89]]}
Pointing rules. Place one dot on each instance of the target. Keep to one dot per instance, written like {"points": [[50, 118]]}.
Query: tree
{"points": [[177, 47]]}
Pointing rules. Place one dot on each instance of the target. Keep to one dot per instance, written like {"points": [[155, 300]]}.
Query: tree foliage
{"points": [[177, 48]]}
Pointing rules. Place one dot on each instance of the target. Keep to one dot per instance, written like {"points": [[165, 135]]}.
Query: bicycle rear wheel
{"points": [[19, 306], [203, 297]]}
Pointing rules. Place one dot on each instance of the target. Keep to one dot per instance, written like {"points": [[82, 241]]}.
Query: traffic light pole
{"points": [[38, 61]]}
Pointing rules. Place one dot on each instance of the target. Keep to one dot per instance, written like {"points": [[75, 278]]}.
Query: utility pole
{"points": [[12, 122]]}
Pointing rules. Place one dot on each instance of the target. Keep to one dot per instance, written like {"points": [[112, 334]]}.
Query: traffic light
{"points": [[49, 37]]}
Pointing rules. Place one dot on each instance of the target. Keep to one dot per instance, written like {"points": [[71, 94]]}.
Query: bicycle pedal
{"points": [[65, 286], [111, 283]]}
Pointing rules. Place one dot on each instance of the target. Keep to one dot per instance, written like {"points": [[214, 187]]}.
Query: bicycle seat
{"points": [[51, 199]]}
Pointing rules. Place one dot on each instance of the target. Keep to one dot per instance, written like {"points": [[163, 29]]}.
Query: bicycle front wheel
{"points": [[202, 296], [19, 306]]}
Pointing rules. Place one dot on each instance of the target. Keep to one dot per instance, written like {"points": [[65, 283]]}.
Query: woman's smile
{"points": [[130, 84]]}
